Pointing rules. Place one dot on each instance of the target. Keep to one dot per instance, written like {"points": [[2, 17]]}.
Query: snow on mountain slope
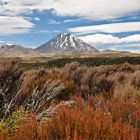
{"points": [[66, 43]]}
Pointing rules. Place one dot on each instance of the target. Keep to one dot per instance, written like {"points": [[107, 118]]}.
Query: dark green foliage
{"points": [[83, 61]]}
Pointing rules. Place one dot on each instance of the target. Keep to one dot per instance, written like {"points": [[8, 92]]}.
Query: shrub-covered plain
{"points": [[70, 103]]}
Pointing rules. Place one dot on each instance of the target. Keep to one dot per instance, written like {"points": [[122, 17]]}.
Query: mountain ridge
{"points": [[11, 50], [114, 51]]}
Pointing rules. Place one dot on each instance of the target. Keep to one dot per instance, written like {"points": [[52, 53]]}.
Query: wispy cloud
{"points": [[53, 22], [47, 31], [37, 19], [71, 20], [110, 39], [14, 25], [103, 41], [108, 28]]}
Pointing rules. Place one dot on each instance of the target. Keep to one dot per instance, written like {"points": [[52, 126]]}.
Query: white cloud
{"points": [[94, 10], [65, 21], [89, 9], [99, 39], [47, 31], [14, 25], [109, 39], [131, 39], [37, 19], [53, 22], [108, 28], [104, 41], [71, 20]]}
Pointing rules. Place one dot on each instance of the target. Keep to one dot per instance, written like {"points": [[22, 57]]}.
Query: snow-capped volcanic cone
{"points": [[66, 43]]}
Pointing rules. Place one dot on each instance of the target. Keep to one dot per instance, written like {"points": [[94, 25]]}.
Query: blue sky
{"points": [[105, 24]]}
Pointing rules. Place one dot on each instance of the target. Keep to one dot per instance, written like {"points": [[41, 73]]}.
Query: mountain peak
{"points": [[66, 43], [66, 35]]}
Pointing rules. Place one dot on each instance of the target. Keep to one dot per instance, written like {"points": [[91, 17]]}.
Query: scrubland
{"points": [[73, 102]]}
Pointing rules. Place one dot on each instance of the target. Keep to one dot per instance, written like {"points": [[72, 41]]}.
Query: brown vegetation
{"points": [[72, 103]]}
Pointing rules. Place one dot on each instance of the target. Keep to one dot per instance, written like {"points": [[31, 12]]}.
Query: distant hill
{"points": [[10, 50], [114, 51]]}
